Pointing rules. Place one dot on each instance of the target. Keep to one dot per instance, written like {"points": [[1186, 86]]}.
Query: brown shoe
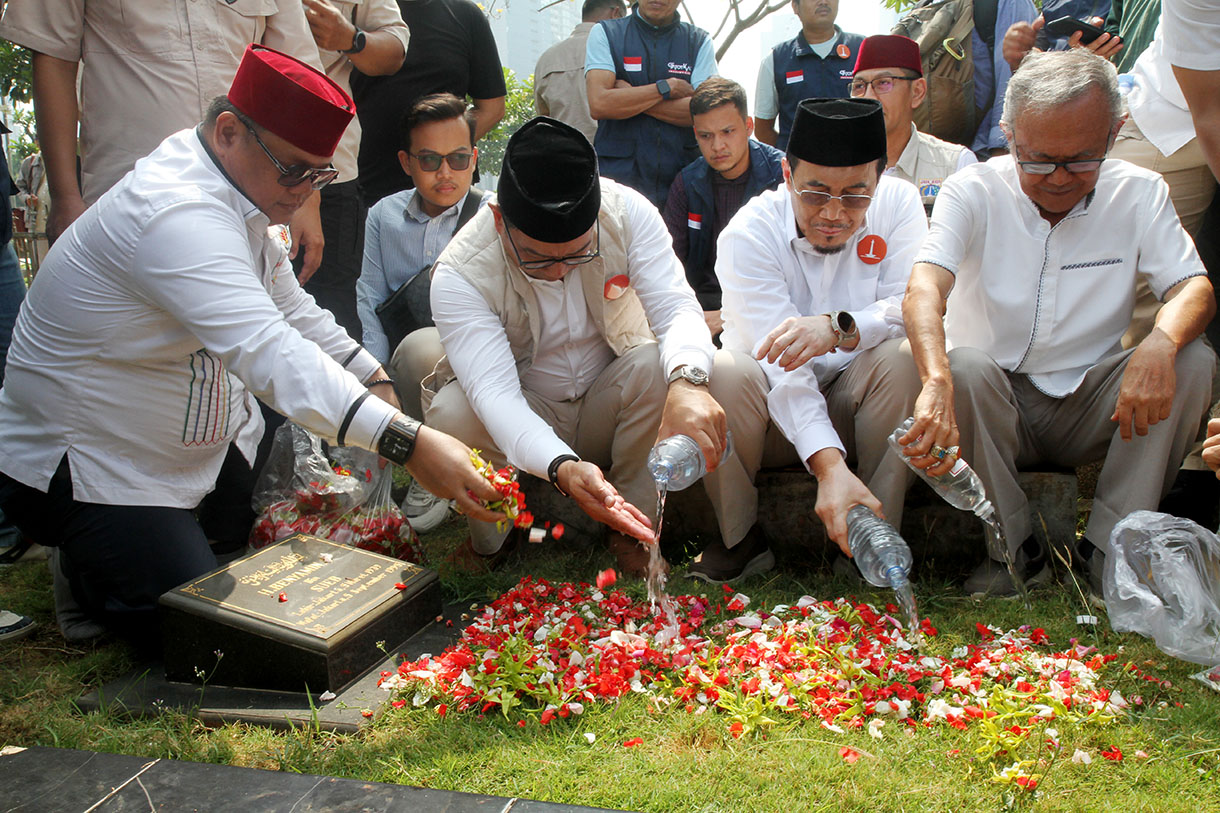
{"points": [[718, 564], [631, 555]]}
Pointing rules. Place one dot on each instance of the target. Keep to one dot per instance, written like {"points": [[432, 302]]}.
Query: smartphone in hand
{"points": [[1067, 26]]}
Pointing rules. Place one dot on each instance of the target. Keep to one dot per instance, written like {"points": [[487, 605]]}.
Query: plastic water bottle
{"points": [[677, 462], [960, 486], [878, 550]]}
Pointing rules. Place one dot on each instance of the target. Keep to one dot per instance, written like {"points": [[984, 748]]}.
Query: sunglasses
{"points": [[297, 173], [1047, 167], [431, 161], [817, 200], [881, 85]]}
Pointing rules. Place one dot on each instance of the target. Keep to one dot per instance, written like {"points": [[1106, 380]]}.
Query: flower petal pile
{"points": [[547, 650]]}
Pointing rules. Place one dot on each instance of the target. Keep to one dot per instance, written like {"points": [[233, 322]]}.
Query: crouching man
{"points": [[572, 340], [1031, 262]]}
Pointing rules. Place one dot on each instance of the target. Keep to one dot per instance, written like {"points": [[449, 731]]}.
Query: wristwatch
{"points": [[359, 40], [844, 326], [663, 86], [694, 375], [397, 442]]}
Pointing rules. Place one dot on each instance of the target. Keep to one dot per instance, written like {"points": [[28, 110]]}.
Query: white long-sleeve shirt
{"points": [[571, 354], [769, 272], [152, 324]]}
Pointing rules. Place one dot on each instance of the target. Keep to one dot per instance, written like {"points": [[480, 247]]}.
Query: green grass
{"points": [[686, 762]]}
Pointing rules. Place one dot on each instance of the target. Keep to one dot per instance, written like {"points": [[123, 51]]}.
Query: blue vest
{"points": [[801, 74], [765, 172], [642, 152]]}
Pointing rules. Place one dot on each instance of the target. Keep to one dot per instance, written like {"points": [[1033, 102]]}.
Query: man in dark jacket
{"points": [[710, 190]]}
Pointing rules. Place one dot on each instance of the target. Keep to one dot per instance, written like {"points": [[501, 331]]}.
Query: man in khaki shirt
{"points": [[888, 69], [149, 69], [368, 35], [559, 78]]}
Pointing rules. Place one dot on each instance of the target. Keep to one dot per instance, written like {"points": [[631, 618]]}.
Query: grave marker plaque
{"points": [[302, 612]]}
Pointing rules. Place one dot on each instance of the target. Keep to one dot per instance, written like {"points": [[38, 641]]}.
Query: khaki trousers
{"points": [[414, 358], [1006, 424], [867, 400]]}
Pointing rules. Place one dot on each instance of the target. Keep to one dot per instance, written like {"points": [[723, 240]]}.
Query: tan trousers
{"points": [[866, 402], [1007, 423], [1191, 189], [413, 359]]}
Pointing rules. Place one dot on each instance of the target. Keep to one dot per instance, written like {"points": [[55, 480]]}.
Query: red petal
{"points": [[283, 597], [849, 755], [558, 530], [606, 578], [634, 741]]}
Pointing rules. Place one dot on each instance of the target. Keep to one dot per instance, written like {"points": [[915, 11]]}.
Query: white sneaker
{"points": [[13, 626], [423, 509]]}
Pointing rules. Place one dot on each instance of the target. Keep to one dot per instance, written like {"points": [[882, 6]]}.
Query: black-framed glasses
{"points": [[570, 260], [297, 173], [816, 200], [1047, 167], [431, 161], [881, 85]]}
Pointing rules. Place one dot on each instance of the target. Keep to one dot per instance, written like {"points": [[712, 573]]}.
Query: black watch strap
{"points": [[552, 471], [397, 442]]}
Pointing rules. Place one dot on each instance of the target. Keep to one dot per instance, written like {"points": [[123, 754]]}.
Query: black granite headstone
{"points": [[302, 613]]}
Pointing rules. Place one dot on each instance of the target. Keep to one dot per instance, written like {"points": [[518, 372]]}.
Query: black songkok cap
{"points": [[838, 132], [549, 187]]}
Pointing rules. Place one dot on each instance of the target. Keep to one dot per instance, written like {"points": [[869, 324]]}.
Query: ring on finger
{"points": [[939, 452]]}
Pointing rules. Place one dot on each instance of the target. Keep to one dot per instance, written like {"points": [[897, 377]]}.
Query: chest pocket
{"points": [[137, 28], [243, 21]]}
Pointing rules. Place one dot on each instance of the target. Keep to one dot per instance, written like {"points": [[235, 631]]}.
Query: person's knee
{"points": [[971, 367], [450, 412], [640, 376]]}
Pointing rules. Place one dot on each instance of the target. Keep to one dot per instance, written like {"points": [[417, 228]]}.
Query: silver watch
{"points": [[844, 326], [695, 375]]}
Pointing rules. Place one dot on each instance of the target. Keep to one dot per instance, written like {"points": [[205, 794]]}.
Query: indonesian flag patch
{"points": [[793, 77], [633, 64], [694, 221]]}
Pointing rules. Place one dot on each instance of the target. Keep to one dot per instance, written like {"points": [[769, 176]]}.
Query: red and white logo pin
{"points": [[842, 51], [871, 249], [616, 286], [694, 221]]}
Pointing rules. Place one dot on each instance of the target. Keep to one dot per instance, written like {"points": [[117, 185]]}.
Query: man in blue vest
{"points": [[817, 62], [640, 72], [710, 190]]}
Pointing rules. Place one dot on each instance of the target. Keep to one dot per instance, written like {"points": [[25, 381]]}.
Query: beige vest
{"points": [[479, 256]]}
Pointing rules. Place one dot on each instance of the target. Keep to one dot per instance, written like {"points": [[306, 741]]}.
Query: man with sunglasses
{"points": [[812, 276], [888, 70], [162, 312], [1032, 261], [572, 340]]}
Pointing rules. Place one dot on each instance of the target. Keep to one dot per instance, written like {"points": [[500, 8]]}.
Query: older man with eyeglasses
{"points": [[1018, 303], [812, 276], [161, 313], [573, 341]]}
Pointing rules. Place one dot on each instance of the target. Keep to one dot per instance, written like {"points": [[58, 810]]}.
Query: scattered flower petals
{"points": [[850, 755], [537, 535], [606, 578], [327, 696], [399, 586], [735, 729], [590, 737], [633, 742], [366, 713], [874, 728], [1141, 754], [558, 530], [1113, 754], [283, 597], [327, 557], [1081, 758]]}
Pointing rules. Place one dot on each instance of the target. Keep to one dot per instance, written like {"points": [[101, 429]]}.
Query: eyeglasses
{"points": [[817, 200], [1047, 167], [297, 173], [881, 85], [570, 260], [431, 161]]}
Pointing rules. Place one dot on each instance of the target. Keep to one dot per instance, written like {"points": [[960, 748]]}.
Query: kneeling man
{"points": [[813, 275], [572, 339], [1032, 260]]}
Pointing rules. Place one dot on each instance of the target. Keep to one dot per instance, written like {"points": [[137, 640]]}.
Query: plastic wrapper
{"points": [[344, 497], [1162, 580]]}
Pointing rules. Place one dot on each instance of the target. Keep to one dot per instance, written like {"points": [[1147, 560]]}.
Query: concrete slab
{"points": [[50, 780]]}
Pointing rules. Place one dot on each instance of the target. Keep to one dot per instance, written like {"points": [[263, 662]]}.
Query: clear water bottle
{"points": [[878, 550], [676, 462], [960, 486]]}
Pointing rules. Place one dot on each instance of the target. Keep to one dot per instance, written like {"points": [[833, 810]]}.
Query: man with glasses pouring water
{"points": [[812, 276], [1032, 260], [162, 312], [573, 341]]}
